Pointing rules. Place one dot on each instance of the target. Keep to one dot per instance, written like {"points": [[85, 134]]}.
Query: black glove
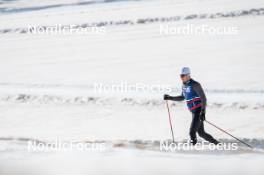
{"points": [[202, 115], [166, 97]]}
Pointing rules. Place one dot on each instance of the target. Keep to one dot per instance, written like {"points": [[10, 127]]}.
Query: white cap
{"points": [[185, 71]]}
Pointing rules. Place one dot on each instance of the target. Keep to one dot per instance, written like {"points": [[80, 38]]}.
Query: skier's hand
{"points": [[202, 115], [166, 97]]}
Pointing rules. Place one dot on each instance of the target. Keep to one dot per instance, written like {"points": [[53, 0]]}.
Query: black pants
{"points": [[197, 126]]}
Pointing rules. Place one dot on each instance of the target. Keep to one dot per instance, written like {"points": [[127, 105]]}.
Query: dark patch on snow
{"points": [[141, 21]]}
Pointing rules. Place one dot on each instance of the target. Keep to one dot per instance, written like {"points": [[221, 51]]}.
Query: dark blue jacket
{"points": [[194, 95]]}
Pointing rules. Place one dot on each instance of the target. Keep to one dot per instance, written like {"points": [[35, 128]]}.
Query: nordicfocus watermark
{"points": [[200, 146], [124, 87], [59, 29], [190, 29], [58, 145]]}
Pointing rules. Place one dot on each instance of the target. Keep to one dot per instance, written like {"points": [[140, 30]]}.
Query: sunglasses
{"points": [[182, 75]]}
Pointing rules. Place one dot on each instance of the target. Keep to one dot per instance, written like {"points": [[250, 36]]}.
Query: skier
{"points": [[194, 95]]}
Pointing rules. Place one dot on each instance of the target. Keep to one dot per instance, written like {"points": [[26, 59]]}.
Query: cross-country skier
{"points": [[194, 95]]}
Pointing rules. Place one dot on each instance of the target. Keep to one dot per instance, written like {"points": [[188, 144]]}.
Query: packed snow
{"points": [[48, 85]]}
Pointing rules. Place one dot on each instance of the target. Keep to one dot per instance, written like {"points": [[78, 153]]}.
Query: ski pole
{"points": [[229, 134], [170, 121]]}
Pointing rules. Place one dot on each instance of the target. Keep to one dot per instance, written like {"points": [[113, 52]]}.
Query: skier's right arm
{"points": [[173, 98]]}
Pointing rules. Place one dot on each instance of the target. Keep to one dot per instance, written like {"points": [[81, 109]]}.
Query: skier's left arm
{"points": [[200, 92]]}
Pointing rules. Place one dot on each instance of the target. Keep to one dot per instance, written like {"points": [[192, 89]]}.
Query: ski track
{"points": [[148, 145], [141, 21], [6, 10], [97, 100], [61, 94]]}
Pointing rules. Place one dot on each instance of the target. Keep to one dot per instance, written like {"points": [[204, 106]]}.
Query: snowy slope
{"points": [[47, 84]]}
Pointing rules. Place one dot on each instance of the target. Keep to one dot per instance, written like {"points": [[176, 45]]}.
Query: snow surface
{"points": [[47, 85]]}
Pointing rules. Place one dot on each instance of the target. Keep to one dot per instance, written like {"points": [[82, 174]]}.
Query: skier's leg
{"points": [[205, 135], [195, 125]]}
